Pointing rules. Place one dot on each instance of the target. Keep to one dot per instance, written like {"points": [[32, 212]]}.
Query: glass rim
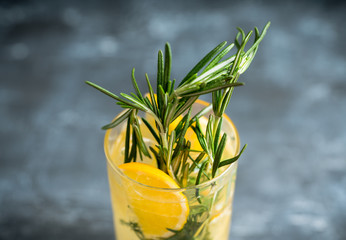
{"points": [[117, 170]]}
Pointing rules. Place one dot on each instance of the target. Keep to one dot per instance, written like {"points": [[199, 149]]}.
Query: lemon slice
{"points": [[157, 210]]}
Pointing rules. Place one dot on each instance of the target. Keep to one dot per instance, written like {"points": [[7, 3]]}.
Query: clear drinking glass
{"points": [[209, 205]]}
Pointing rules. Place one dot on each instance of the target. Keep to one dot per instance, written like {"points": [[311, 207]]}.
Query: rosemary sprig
{"points": [[217, 74]]}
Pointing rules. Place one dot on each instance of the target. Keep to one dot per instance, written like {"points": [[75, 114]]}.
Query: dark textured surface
{"points": [[53, 185]]}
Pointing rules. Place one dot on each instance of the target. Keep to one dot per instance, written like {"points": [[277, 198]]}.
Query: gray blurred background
{"points": [[291, 112]]}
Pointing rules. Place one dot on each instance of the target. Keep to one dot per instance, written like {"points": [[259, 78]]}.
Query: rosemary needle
{"points": [[217, 74]]}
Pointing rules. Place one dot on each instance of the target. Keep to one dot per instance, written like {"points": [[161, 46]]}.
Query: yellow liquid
{"points": [[212, 218]]}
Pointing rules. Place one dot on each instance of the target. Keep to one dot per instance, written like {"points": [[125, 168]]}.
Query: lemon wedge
{"points": [[157, 210]]}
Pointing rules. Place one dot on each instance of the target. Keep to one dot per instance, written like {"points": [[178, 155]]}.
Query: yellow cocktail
{"points": [[148, 204], [172, 170]]}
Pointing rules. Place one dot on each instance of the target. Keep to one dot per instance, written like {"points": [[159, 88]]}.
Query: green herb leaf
{"points": [[232, 160], [168, 64], [203, 62], [135, 85], [198, 179], [118, 120], [151, 129], [218, 154], [127, 142]]}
